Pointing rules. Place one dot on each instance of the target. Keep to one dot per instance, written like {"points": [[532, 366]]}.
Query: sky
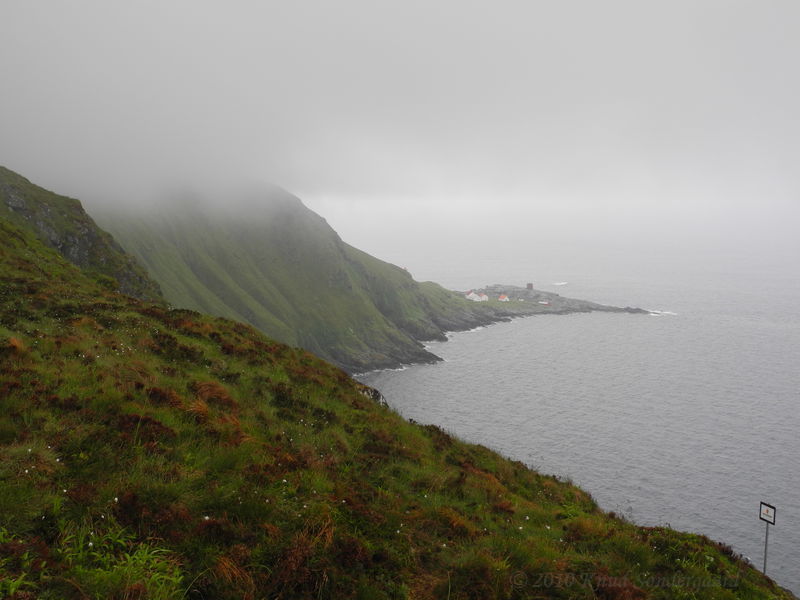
{"points": [[422, 128]]}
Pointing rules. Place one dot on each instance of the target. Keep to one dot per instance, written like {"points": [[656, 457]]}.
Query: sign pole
{"points": [[766, 512]]}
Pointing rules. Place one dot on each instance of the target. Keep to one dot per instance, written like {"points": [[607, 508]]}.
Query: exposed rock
{"points": [[62, 224]]}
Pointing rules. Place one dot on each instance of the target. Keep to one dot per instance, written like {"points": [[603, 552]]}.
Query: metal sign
{"points": [[767, 513]]}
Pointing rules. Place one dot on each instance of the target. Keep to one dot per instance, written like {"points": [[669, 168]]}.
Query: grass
{"points": [[277, 266], [282, 269], [62, 224], [156, 453]]}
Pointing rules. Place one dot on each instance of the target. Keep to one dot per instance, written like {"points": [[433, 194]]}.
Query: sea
{"points": [[689, 417]]}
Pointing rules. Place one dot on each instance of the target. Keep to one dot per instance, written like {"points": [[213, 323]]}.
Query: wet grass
{"points": [[155, 453], [287, 273]]}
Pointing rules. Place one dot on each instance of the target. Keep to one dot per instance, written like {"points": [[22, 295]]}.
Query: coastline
{"points": [[522, 302]]}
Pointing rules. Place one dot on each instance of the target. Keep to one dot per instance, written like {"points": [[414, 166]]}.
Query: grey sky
{"points": [[593, 119]]}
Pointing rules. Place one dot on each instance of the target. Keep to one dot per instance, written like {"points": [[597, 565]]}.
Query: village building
{"points": [[475, 297]]}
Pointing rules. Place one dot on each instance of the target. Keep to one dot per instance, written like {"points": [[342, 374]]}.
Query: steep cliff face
{"points": [[268, 261], [62, 224], [280, 267], [273, 263]]}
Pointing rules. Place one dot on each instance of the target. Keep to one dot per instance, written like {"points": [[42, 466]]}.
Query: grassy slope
{"points": [[286, 272], [61, 223], [425, 310], [153, 453]]}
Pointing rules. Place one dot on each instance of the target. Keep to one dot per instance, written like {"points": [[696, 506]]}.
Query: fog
{"points": [[446, 130]]}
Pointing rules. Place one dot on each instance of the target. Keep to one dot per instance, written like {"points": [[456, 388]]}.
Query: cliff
{"points": [[278, 266], [62, 224]]}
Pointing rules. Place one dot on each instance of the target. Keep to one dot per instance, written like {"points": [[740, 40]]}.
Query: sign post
{"points": [[766, 513]]}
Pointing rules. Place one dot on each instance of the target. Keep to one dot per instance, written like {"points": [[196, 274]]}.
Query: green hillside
{"points": [[155, 453], [62, 224], [269, 262], [281, 268]]}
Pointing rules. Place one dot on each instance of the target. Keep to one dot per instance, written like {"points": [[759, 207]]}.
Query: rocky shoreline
{"points": [[522, 302]]}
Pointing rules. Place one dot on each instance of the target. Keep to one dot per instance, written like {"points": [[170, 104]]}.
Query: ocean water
{"points": [[688, 419]]}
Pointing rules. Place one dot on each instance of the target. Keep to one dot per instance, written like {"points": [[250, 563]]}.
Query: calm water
{"points": [[687, 419]]}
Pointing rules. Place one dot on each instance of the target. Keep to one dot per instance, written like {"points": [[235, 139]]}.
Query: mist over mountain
{"points": [[262, 257], [62, 224], [662, 126], [177, 412]]}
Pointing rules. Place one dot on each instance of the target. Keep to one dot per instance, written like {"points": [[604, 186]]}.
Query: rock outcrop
{"points": [[62, 224]]}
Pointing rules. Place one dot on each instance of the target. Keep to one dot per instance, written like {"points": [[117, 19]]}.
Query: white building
{"points": [[471, 295]]}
